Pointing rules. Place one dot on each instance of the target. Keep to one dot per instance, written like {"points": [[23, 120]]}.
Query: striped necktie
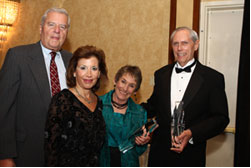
{"points": [[55, 85]]}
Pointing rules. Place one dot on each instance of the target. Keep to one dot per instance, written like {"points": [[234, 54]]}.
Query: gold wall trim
{"points": [[230, 130]]}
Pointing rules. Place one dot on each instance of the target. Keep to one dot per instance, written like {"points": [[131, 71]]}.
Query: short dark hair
{"points": [[133, 71], [86, 52]]}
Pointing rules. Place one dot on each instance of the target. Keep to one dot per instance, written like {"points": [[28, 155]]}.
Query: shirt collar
{"points": [[189, 63], [47, 51]]}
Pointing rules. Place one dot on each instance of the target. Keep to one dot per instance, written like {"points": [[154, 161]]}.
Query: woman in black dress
{"points": [[75, 128]]}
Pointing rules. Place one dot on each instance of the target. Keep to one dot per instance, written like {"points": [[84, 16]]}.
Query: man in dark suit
{"points": [[25, 91], [202, 90]]}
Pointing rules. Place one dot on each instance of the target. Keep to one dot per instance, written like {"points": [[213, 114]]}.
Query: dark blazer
{"points": [[25, 97], [206, 115]]}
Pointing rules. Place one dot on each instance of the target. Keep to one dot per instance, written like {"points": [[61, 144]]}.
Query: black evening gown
{"points": [[73, 134]]}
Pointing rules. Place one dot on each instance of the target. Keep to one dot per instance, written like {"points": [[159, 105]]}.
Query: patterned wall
{"points": [[129, 31]]}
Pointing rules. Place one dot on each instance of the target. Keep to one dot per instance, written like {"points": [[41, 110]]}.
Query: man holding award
{"points": [[190, 105]]}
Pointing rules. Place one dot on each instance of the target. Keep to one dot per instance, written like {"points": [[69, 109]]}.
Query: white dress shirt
{"points": [[179, 82], [60, 66]]}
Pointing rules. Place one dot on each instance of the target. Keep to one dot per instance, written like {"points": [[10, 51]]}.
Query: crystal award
{"points": [[177, 123], [129, 142]]}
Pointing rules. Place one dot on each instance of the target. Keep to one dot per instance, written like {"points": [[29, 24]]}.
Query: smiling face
{"points": [[87, 73], [124, 88], [54, 31], [183, 47]]}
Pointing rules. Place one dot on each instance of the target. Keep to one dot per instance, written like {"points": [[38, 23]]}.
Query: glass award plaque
{"points": [[129, 143], [177, 123]]}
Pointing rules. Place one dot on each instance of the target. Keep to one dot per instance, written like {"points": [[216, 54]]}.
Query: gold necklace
{"points": [[88, 101]]}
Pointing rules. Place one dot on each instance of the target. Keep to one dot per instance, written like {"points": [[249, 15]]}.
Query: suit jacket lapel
{"points": [[193, 85], [37, 66], [166, 89], [66, 61]]}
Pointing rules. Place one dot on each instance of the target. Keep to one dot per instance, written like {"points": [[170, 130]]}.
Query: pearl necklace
{"points": [[83, 97]]}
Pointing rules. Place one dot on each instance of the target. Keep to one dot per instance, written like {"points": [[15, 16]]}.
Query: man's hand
{"points": [[183, 139], [7, 163]]}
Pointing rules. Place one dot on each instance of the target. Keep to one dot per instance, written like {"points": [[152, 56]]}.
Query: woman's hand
{"points": [[144, 138]]}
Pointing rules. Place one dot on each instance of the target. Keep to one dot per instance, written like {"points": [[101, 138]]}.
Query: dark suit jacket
{"points": [[25, 97], [206, 115]]}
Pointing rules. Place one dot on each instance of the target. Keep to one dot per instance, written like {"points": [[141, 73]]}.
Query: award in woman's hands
{"points": [[129, 142], [177, 124]]}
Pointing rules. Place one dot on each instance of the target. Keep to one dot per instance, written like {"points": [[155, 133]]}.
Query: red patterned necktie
{"points": [[55, 85]]}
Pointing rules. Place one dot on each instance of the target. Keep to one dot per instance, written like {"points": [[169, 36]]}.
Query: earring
{"points": [[74, 75], [135, 96]]}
